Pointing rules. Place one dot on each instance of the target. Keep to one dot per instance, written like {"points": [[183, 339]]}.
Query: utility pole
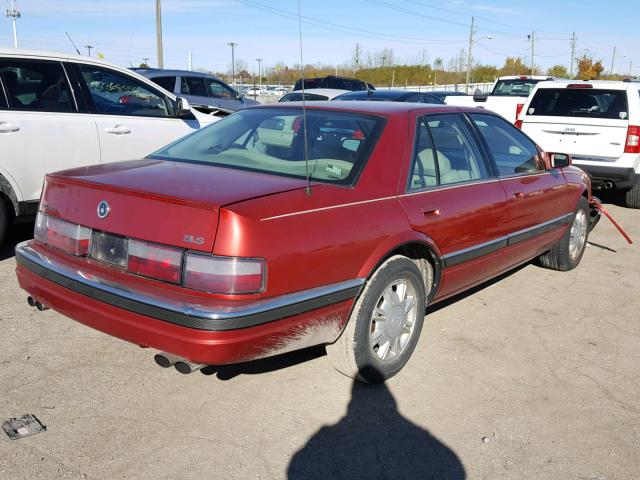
{"points": [[259, 60], [630, 68], [14, 14], [190, 61], [233, 46], [532, 37], [357, 65], [159, 34], [613, 59], [146, 61], [471, 32], [573, 52], [88, 47]]}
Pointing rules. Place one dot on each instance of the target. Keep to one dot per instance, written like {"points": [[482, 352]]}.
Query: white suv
{"points": [[59, 111], [597, 122]]}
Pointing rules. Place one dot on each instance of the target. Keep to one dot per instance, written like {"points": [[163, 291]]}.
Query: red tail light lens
{"points": [[65, 236], [155, 261], [632, 144], [518, 124], [519, 108], [227, 275]]}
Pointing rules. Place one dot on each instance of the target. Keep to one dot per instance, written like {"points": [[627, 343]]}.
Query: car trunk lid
{"points": [[173, 203]]}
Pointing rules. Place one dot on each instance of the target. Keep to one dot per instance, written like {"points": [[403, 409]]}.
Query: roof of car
{"points": [[379, 108], [328, 92], [526, 77], [24, 52], [390, 94], [610, 84], [161, 72]]}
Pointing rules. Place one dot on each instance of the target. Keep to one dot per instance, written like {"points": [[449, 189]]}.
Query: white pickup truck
{"points": [[507, 96]]}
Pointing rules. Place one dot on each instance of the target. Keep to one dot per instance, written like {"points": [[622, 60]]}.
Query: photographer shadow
{"points": [[373, 441]]}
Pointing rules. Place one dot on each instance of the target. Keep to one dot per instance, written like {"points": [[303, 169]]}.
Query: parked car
{"points": [[59, 111], [334, 82], [443, 94], [205, 92], [312, 95], [220, 249], [598, 122], [390, 96], [507, 96]]}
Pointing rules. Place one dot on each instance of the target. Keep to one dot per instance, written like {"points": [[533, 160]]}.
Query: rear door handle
{"points": [[518, 194], [430, 211], [118, 130], [6, 127]]}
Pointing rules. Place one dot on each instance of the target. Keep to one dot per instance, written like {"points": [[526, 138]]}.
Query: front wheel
{"points": [[385, 323], [567, 253]]}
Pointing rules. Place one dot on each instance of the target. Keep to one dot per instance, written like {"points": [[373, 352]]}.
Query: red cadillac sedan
{"points": [[281, 227]]}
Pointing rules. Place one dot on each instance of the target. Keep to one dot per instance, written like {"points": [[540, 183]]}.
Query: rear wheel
{"points": [[4, 219], [632, 196], [567, 253], [385, 324]]}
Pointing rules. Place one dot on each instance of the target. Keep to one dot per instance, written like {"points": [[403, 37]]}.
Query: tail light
{"points": [[580, 85], [519, 108], [518, 124], [155, 261], [65, 236], [227, 275], [633, 140]]}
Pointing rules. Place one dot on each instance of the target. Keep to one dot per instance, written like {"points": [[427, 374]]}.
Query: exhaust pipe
{"points": [[166, 360], [34, 303], [41, 307], [31, 301], [186, 367], [607, 185]]}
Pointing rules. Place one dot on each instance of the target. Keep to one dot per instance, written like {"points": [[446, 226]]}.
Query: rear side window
{"points": [[36, 85], [445, 153], [194, 86], [580, 102], [3, 98], [168, 83], [512, 151]]}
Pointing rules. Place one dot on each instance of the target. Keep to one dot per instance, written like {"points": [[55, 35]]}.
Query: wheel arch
{"points": [[8, 195]]}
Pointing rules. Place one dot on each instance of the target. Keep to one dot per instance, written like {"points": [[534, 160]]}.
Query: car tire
{"points": [[567, 253], [632, 196], [384, 325], [4, 219]]}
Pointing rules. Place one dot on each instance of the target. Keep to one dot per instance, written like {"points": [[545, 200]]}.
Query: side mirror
{"points": [[183, 108], [479, 96], [559, 160]]}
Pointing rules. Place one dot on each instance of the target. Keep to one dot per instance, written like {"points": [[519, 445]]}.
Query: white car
{"points": [[59, 111], [597, 122], [507, 96]]}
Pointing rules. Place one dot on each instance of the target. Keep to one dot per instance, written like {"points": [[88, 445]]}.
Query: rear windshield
{"points": [[273, 141], [514, 88], [332, 82], [582, 102], [297, 97]]}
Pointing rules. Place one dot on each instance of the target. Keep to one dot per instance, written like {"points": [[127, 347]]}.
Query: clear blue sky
{"points": [[124, 30]]}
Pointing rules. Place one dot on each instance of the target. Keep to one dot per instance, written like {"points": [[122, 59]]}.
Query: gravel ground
{"points": [[532, 376]]}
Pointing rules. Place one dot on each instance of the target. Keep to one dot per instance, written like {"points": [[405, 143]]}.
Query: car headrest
{"points": [[429, 165]]}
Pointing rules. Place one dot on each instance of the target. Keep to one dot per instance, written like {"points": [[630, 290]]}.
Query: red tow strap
{"points": [[599, 206]]}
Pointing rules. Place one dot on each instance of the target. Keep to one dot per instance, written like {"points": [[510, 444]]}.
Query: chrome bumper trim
{"points": [[191, 315]]}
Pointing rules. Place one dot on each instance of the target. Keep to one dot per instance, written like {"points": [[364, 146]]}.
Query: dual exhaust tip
{"points": [[35, 303], [166, 360]]}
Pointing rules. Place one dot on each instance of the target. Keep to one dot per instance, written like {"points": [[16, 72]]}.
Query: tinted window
{"points": [[39, 86], [114, 93], [297, 97], [580, 102], [194, 86], [445, 153], [273, 141], [168, 83], [219, 90], [3, 99], [515, 87], [512, 151], [332, 82]]}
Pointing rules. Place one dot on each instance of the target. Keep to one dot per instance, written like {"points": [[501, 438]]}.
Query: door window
{"points": [[219, 90], [194, 86], [512, 151], [168, 83], [445, 153], [35, 85], [114, 93]]}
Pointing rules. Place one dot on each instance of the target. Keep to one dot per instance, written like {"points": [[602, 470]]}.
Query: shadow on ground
{"points": [[16, 234], [374, 441]]}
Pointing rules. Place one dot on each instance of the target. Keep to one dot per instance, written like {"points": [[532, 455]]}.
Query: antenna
{"points": [[304, 105], [74, 45]]}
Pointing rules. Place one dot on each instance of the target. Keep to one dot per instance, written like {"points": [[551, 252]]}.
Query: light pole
{"points": [[13, 13], [88, 47], [472, 42], [259, 60], [159, 34], [233, 46]]}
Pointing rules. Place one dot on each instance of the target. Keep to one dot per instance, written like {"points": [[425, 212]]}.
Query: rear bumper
{"points": [[621, 177], [208, 333]]}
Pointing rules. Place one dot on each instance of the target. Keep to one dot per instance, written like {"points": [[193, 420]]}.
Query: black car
{"points": [[391, 96], [332, 81]]}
